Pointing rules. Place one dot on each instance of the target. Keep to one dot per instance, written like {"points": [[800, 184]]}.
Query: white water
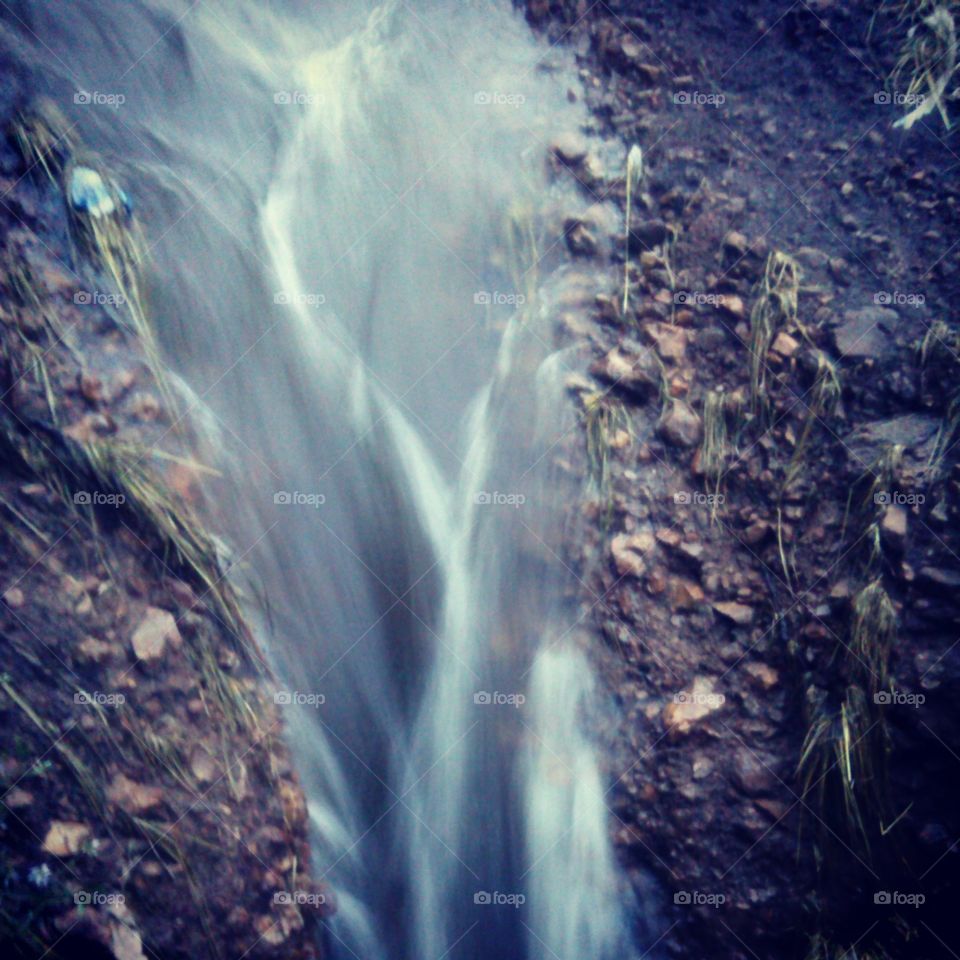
{"points": [[317, 270]]}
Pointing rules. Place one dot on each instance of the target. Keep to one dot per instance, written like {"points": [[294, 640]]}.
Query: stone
{"points": [[751, 774], [580, 241], [691, 706], [65, 838], [764, 674], [629, 551], [134, 798], [569, 148], [680, 425], [685, 594], [785, 345], [648, 233], [155, 631], [893, 527], [736, 244], [14, 598], [632, 367], [670, 341], [738, 613], [866, 334], [732, 305]]}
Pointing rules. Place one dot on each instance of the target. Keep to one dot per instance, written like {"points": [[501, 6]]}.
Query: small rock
{"points": [[751, 774], [893, 527], [570, 148], [156, 629], [685, 594], [628, 553], [785, 345], [680, 425], [132, 797], [692, 705], [736, 244], [580, 241], [866, 334], [732, 305], [632, 367], [14, 598], [671, 342], [65, 838], [648, 233], [764, 674], [738, 613]]}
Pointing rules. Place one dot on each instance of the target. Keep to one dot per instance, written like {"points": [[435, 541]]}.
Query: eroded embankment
{"points": [[149, 806]]}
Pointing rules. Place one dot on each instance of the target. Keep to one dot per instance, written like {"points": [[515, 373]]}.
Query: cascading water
{"points": [[356, 275]]}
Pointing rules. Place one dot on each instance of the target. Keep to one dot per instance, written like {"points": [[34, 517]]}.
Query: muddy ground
{"points": [[771, 564]]}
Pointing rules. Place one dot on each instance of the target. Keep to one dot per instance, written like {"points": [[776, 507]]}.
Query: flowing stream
{"points": [[356, 275]]}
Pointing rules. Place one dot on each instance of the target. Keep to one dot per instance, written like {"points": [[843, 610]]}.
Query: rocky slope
{"points": [[771, 558], [147, 802]]}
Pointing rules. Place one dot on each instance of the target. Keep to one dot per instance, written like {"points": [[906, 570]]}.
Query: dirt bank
{"points": [[149, 806], [771, 561]]}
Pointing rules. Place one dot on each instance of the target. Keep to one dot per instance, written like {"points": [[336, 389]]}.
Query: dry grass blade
{"points": [[776, 307], [927, 65]]}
